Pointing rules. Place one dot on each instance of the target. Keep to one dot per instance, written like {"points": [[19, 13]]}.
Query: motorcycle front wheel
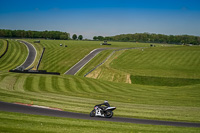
{"points": [[108, 114], [92, 113]]}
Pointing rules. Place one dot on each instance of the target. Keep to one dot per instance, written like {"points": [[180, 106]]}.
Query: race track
{"points": [[73, 70], [31, 55], [10, 107]]}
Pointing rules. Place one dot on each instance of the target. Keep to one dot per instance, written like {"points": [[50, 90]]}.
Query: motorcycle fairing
{"points": [[110, 108], [98, 112]]}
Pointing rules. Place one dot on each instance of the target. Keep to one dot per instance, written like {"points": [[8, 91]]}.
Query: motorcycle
{"points": [[98, 111]]}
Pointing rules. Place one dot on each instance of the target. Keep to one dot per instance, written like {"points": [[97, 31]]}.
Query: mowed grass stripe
{"points": [[17, 56], [8, 82], [36, 81], [14, 57], [58, 60], [61, 84], [28, 84], [51, 59], [178, 61], [86, 87], [9, 58], [3, 76], [48, 84], [42, 83], [107, 87], [5, 60], [104, 87], [80, 86], [54, 84], [92, 86], [73, 85], [66, 84], [3, 46], [194, 60], [19, 85]]}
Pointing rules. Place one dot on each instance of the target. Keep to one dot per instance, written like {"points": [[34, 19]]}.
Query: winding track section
{"points": [[10, 107], [31, 55], [73, 70]]}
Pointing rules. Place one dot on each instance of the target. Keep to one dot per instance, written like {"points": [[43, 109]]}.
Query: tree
{"points": [[74, 37], [63, 37], [95, 38], [100, 38], [80, 37]]}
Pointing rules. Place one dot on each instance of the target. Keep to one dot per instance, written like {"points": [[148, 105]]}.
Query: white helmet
{"points": [[106, 101]]}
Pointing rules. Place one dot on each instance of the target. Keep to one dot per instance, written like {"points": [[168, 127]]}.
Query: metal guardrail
{"points": [[40, 59]]}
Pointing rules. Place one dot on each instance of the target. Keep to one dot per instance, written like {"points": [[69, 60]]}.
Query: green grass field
{"points": [[60, 59], [3, 45], [167, 66], [170, 91], [180, 62], [15, 56], [78, 94], [15, 122]]}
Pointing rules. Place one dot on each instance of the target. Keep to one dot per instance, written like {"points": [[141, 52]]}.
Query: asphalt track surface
{"points": [[10, 107], [31, 55], [73, 70]]}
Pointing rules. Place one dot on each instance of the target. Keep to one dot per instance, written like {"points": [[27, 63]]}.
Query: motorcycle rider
{"points": [[106, 104]]}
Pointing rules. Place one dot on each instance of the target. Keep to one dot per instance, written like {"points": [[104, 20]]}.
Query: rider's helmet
{"points": [[106, 101]]}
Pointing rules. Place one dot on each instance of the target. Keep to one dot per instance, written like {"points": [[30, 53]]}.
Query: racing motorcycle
{"points": [[106, 112]]}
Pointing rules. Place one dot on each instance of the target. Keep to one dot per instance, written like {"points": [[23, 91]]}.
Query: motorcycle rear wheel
{"points": [[108, 114], [92, 113]]}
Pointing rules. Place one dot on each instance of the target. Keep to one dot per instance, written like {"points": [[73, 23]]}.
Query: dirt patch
{"points": [[128, 79], [94, 74]]}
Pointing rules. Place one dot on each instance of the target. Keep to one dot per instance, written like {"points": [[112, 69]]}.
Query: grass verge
{"points": [[15, 122], [78, 94]]}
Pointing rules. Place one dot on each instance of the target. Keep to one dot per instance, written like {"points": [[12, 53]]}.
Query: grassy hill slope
{"points": [[182, 62], [15, 56], [79, 94], [60, 59], [3, 46], [168, 66], [180, 102]]}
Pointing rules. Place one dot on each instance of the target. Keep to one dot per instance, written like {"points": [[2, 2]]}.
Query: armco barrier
{"points": [[6, 49], [40, 59], [35, 72]]}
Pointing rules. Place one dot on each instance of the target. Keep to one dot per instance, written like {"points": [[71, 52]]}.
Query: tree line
{"points": [[153, 38], [74, 37], [34, 34]]}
